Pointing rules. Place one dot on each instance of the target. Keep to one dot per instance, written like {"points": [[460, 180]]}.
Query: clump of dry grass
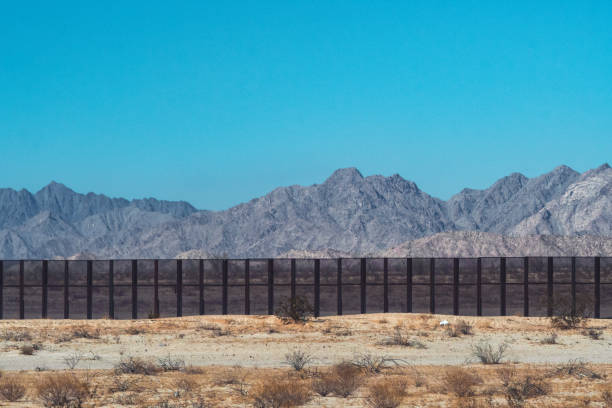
{"points": [[15, 335], [11, 389], [170, 363], [62, 390], [398, 338], [386, 393], [274, 392], [577, 369], [83, 332], [341, 380], [487, 354], [518, 389], [135, 365], [460, 381]]}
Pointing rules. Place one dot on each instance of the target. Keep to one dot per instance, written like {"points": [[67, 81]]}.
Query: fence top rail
{"points": [[307, 259]]}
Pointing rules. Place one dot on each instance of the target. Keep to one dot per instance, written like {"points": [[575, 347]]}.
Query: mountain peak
{"points": [[54, 187], [346, 175]]}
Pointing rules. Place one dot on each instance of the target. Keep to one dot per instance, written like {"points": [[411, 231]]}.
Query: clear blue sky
{"points": [[217, 103]]}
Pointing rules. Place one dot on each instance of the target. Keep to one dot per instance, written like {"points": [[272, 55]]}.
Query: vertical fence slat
{"points": [[66, 290], [479, 287], [201, 286], [247, 287], [179, 288], [432, 285], [45, 288], [134, 289], [21, 290], [573, 278], [317, 287], [339, 287], [89, 289], [111, 289], [293, 279], [549, 287], [224, 294], [156, 288], [1, 289], [456, 286], [502, 286], [597, 305], [363, 285], [270, 286], [409, 285], [526, 286], [385, 285]]}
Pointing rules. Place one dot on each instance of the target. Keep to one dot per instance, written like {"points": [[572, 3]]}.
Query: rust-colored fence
{"points": [[528, 286]]}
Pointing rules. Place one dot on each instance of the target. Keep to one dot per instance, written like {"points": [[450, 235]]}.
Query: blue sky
{"points": [[217, 103]]}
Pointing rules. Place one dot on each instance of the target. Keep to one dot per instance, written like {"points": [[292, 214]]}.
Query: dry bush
{"points": [[170, 363], [465, 328], [73, 359], [294, 309], [594, 334], [82, 332], [344, 379], [386, 393], [566, 316], [518, 391], [374, 364], [487, 354], [550, 339], [135, 365], [460, 381], [11, 389], [16, 335], [128, 398], [183, 385], [577, 369], [400, 339], [280, 393], [298, 359], [62, 390]]}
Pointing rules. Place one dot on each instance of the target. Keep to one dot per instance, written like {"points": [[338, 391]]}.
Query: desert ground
{"points": [[373, 360]]}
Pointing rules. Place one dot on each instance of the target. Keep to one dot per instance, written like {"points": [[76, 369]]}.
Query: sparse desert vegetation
{"points": [[344, 361]]}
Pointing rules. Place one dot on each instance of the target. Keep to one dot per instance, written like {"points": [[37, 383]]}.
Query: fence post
{"points": [[409, 285], [363, 285], [386, 285], [179, 288], [526, 286], [597, 304], [134, 289], [502, 286], [66, 290], [111, 289], [89, 289], [247, 287], [270, 286], [432, 285], [45, 287], [201, 286], [156, 288], [549, 287], [573, 285], [21, 290], [224, 293], [1, 289], [479, 287], [339, 287], [293, 280], [317, 287], [456, 286]]}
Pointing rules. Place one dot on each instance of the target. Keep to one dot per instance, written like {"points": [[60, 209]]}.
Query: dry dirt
{"points": [[228, 357]]}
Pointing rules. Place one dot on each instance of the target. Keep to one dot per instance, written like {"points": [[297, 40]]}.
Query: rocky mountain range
{"points": [[346, 214]]}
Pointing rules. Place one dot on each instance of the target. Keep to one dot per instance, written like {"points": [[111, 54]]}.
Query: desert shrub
{"points": [[123, 383], [82, 332], [280, 393], [27, 350], [344, 379], [11, 389], [594, 334], [294, 309], [550, 339], [464, 327], [374, 364], [577, 369], [16, 335], [298, 359], [62, 390], [184, 384], [170, 363], [518, 391], [386, 393], [460, 381], [135, 365], [72, 360], [566, 316], [323, 385], [487, 354], [398, 338]]}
